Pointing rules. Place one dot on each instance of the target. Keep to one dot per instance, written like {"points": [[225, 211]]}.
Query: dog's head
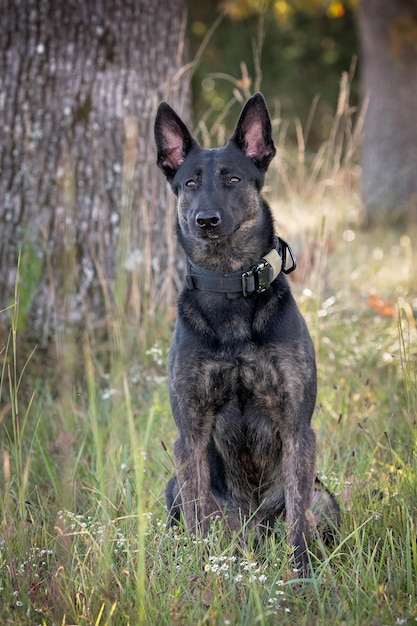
{"points": [[218, 190]]}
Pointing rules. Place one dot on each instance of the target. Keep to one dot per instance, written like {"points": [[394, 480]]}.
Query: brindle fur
{"points": [[242, 370]]}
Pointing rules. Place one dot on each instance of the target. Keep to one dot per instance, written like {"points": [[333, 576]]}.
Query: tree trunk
{"points": [[388, 30], [80, 196]]}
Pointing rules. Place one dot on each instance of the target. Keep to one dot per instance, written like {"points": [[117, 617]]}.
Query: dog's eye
{"points": [[234, 180], [191, 184]]}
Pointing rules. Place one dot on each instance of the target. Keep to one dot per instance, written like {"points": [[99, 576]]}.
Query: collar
{"points": [[250, 280]]}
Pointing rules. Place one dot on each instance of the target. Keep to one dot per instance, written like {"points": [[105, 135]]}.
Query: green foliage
{"points": [[297, 59], [30, 271]]}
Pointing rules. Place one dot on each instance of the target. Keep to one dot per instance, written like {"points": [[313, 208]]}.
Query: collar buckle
{"points": [[258, 279]]}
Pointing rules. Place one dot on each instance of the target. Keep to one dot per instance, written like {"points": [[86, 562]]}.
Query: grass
{"points": [[85, 446]]}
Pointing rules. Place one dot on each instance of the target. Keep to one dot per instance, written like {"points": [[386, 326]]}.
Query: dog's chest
{"points": [[233, 381], [236, 361]]}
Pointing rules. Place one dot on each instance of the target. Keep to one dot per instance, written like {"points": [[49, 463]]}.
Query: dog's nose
{"points": [[208, 219]]}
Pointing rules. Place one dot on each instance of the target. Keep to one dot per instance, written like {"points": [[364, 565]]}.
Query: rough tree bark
{"points": [[80, 197], [388, 31]]}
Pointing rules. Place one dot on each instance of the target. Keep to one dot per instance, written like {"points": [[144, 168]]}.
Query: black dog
{"points": [[242, 364]]}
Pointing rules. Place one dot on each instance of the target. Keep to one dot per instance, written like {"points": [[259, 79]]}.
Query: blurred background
{"points": [[296, 52]]}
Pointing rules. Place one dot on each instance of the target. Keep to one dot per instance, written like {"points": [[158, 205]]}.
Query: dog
{"points": [[242, 372]]}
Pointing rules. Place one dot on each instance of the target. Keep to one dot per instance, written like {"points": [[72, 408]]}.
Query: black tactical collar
{"points": [[250, 280]]}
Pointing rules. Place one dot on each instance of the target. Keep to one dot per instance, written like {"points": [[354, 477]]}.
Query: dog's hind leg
{"points": [[326, 512], [173, 502]]}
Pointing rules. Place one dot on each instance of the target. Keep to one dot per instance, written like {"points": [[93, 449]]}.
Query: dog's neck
{"points": [[253, 279]]}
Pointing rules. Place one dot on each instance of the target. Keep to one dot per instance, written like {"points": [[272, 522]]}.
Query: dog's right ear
{"points": [[173, 140]]}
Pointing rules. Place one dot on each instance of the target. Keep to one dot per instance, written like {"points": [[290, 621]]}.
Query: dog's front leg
{"points": [[298, 468], [193, 475]]}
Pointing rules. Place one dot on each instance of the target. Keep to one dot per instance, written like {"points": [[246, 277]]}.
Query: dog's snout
{"points": [[208, 219]]}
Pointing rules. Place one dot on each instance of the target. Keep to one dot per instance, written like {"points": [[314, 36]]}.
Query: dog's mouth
{"points": [[215, 234]]}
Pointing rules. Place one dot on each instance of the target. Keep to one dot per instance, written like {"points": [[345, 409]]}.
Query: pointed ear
{"points": [[173, 140], [253, 132]]}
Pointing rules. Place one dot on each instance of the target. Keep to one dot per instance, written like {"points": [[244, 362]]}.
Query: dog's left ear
{"points": [[253, 132]]}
